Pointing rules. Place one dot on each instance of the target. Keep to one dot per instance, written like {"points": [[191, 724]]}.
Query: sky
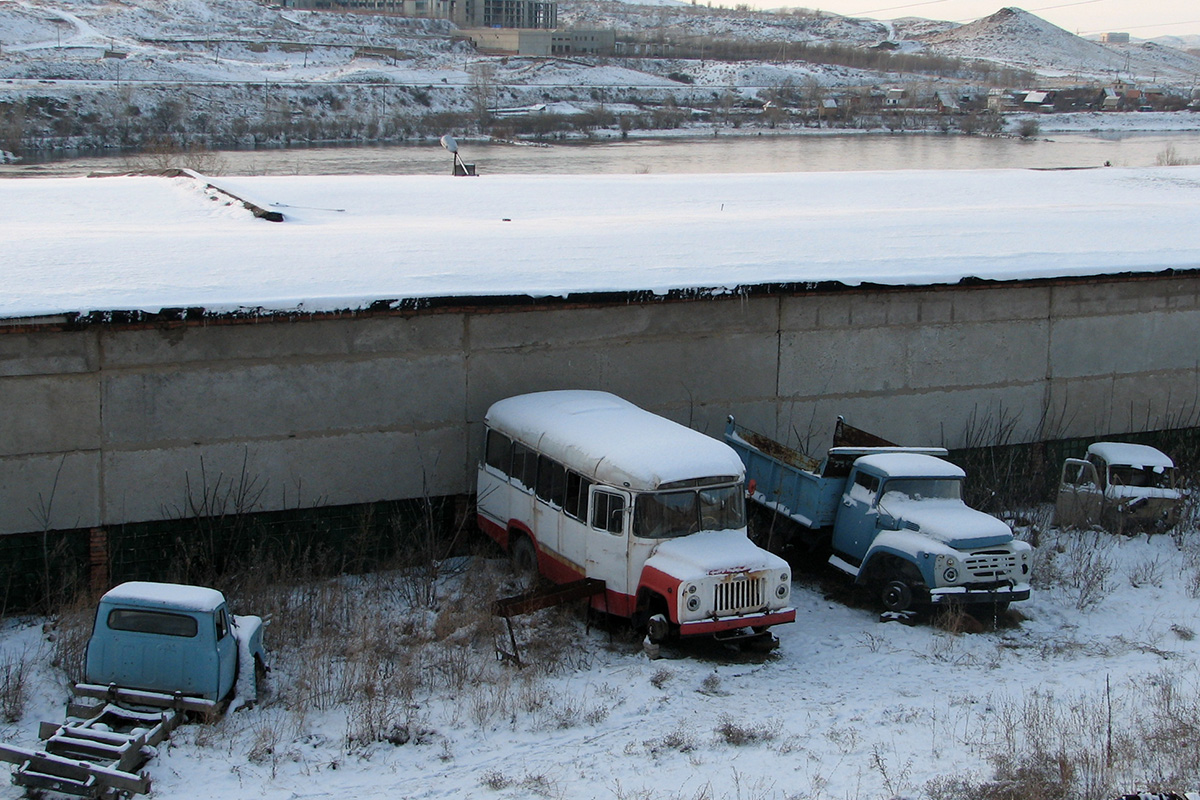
{"points": [[1144, 19]]}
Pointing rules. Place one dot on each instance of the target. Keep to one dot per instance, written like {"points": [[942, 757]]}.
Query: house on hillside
{"points": [[1042, 102], [947, 103]]}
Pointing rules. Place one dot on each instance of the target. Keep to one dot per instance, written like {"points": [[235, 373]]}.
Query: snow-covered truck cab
{"points": [[905, 531], [174, 639], [1121, 487], [582, 484]]}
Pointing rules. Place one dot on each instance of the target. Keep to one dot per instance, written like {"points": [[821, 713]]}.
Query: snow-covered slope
{"points": [[1018, 38]]}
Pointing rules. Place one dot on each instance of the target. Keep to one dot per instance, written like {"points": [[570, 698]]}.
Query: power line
{"points": [[1064, 5], [1139, 27], [893, 8]]}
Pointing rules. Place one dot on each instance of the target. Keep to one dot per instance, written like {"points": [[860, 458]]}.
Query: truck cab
{"points": [[904, 530], [174, 639], [1121, 487]]}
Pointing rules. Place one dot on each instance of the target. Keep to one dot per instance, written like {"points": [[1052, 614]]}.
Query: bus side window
{"points": [[499, 451], [552, 481], [524, 466], [607, 512], [575, 503]]}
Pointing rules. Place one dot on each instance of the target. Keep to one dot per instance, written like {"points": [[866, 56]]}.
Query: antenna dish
{"points": [[449, 143]]}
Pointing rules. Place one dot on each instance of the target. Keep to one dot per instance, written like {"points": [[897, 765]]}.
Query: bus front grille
{"points": [[739, 595]]}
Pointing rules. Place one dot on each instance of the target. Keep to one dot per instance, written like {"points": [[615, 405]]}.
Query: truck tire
{"points": [[897, 596]]}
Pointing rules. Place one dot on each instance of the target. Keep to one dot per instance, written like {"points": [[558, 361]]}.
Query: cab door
{"points": [[856, 525], [227, 652], [1080, 500], [607, 547]]}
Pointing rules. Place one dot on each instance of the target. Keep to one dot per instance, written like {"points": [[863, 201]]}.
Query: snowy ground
{"points": [[847, 707]]}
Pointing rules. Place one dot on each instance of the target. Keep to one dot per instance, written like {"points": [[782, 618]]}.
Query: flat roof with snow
{"points": [[350, 242]]}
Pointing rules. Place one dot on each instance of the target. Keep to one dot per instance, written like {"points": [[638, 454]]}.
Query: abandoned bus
{"points": [[581, 484]]}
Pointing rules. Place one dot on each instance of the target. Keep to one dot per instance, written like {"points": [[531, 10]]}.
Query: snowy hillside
{"points": [[119, 73], [1018, 37]]}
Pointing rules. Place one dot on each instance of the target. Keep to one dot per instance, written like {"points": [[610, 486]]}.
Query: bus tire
{"points": [[524, 560]]}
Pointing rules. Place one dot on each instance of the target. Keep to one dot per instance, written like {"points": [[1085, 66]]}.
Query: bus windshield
{"points": [[665, 515]]}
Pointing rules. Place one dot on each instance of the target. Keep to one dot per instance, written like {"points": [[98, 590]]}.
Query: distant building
{"points": [[541, 14], [425, 9], [531, 42], [1114, 38]]}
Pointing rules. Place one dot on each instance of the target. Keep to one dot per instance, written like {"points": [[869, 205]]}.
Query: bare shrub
{"points": [[738, 734], [68, 633], [1076, 562], [14, 685], [661, 677], [1148, 572], [711, 684]]}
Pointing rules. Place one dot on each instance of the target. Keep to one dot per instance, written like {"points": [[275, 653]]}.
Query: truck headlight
{"points": [[781, 591], [693, 602], [691, 589], [950, 575], [783, 578]]}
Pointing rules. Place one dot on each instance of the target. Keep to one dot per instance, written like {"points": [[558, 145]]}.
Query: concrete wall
{"points": [[110, 424]]}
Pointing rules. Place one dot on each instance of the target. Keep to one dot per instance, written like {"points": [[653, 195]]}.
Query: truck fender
{"points": [[252, 659], [908, 546]]}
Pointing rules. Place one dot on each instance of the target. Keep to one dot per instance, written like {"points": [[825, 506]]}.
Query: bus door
{"points": [[609, 511]]}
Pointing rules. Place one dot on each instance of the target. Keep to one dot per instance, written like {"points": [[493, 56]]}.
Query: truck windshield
{"points": [[665, 515], [922, 489], [1139, 476]]}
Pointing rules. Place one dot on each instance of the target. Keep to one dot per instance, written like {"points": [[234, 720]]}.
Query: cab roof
{"points": [[910, 465], [168, 596], [1132, 455]]}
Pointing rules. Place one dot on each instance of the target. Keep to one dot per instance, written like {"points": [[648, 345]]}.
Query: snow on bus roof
{"points": [[1132, 455], [354, 241], [165, 595], [611, 439]]}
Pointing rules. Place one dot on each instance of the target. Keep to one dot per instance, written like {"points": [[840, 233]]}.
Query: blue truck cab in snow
{"points": [[174, 639], [892, 518]]}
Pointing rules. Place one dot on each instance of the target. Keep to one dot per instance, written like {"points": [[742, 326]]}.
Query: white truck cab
{"points": [[1121, 487]]}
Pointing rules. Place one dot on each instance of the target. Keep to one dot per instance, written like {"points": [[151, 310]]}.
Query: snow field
{"points": [[388, 685]]}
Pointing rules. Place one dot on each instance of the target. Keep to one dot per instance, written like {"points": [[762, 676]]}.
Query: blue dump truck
{"points": [[892, 518]]}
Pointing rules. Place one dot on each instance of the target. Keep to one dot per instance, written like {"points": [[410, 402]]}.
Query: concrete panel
{"points": [[288, 398], [976, 355], [49, 414], [560, 327], [49, 492], [950, 418], [1100, 298], [284, 474], [272, 341], [654, 374], [1128, 343], [998, 303], [48, 354], [849, 362]]}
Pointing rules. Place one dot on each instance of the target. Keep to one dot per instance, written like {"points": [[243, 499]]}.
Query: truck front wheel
{"points": [[897, 596]]}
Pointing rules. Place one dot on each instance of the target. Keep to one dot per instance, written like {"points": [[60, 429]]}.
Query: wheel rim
{"points": [[897, 596]]}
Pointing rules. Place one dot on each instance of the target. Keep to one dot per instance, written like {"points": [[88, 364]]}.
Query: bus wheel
{"points": [[524, 561]]}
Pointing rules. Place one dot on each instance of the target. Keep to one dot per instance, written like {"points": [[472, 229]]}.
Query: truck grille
{"points": [[991, 565], [737, 596]]}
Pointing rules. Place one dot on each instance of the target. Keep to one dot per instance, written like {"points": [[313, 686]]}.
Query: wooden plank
{"points": [[137, 697], [545, 598]]}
